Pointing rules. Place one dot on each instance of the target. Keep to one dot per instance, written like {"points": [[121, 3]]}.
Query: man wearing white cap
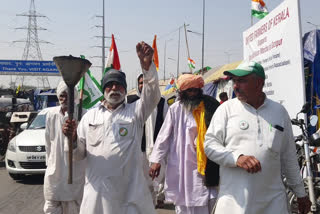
{"points": [[61, 197], [109, 137], [251, 138]]}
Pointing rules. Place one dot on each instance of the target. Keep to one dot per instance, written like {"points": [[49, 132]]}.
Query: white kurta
{"points": [[111, 143], [56, 187], [150, 126], [156, 186], [238, 128], [184, 186]]}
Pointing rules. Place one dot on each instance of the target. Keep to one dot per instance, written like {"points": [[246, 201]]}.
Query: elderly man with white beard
{"points": [[61, 197], [109, 139]]}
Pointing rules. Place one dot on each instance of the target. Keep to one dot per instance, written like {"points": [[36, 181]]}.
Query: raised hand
{"points": [[145, 54]]}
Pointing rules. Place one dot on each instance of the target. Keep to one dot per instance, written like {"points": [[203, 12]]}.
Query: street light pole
{"points": [[164, 61], [103, 42], [178, 54], [188, 51], [313, 25], [228, 55], [202, 59]]}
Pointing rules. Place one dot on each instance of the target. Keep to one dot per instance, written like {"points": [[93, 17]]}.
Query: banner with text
{"points": [[28, 68], [275, 43]]}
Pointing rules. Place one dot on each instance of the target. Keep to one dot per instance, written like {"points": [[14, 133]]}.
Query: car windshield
{"points": [[39, 122]]}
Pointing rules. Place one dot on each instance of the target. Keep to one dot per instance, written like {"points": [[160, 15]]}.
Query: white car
{"points": [[26, 152]]}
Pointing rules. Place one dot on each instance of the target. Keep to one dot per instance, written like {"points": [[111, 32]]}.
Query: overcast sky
{"points": [[71, 30]]}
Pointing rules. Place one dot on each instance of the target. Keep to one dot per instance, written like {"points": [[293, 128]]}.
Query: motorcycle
{"points": [[308, 158]]}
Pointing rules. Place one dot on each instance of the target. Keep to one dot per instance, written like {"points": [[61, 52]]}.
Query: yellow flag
{"points": [[18, 89]]}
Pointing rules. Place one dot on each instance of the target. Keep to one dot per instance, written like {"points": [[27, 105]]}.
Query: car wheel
{"points": [[16, 176]]}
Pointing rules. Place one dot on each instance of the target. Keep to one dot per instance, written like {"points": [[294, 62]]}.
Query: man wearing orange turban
{"points": [[187, 81], [190, 177]]}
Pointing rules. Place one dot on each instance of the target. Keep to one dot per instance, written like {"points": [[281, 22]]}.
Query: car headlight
{"points": [[12, 145]]}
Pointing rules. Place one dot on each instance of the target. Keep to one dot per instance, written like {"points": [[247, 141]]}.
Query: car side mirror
{"points": [[24, 126]]}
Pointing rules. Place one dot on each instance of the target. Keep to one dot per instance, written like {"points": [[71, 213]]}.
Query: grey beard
{"points": [[114, 101], [63, 105], [190, 104]]}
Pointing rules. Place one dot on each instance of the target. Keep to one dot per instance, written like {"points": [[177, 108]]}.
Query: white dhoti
{"points": [[62, 207]]}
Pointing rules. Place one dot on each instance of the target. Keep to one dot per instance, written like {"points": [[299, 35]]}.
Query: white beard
{"points": [[63, 105], [114, 101]]}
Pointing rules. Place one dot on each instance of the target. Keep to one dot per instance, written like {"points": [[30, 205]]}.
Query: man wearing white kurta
{"points": [[251, 138], [109, 136], [151, 130], [60, 197], [178, 139]]}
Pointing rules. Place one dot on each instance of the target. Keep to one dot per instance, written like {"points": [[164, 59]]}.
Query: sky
{"points": [[71, 30]]}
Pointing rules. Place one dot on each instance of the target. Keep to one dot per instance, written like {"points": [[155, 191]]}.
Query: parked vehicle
{"points": [[308, 158], [9, 119], [46, 99], [26, 152]]}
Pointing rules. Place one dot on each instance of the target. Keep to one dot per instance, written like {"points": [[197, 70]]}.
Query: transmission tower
{"points": [[32, 49]]}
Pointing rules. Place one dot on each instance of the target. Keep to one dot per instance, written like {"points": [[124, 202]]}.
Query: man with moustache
{"points": [[61, 197], [190, 179], [251, 138], [109, 138]]}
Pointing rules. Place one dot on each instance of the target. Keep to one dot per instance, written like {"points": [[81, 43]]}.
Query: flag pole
{"points": [[80, 101], [202, 55], [81, 84], [251, 15], [188, 51]]}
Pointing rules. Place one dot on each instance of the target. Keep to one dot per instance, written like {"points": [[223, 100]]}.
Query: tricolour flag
{"points": [[92, 91], [258, 9], [155, 53], [113, 60], [191, 63]]}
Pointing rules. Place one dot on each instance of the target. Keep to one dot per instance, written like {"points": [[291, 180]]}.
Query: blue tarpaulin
{"points": [[311, 47], [210, 89]]}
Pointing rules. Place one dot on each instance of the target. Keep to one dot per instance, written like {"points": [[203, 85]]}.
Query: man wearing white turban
{"points": [[61, 197]]}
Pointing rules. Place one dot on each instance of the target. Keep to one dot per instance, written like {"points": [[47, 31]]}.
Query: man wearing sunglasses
{"points": [[109, 139]]}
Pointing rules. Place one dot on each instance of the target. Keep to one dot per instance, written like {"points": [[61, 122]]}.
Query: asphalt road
{"points": [[26, 196]]}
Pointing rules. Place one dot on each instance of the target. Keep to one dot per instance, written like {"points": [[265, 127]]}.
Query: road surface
{"points": [[26, 196]]}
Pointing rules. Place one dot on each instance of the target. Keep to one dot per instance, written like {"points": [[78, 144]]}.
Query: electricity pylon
{"points": [[32, 49]]}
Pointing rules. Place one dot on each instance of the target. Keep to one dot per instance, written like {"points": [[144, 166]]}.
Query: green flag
{"points": [[92, 91]]}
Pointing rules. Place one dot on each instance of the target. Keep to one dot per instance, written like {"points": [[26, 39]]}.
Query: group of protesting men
{"points": [[205, 157]]}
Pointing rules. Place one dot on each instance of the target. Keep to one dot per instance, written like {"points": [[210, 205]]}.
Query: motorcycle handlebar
{"points": [[298, 138], [297, 122]]}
